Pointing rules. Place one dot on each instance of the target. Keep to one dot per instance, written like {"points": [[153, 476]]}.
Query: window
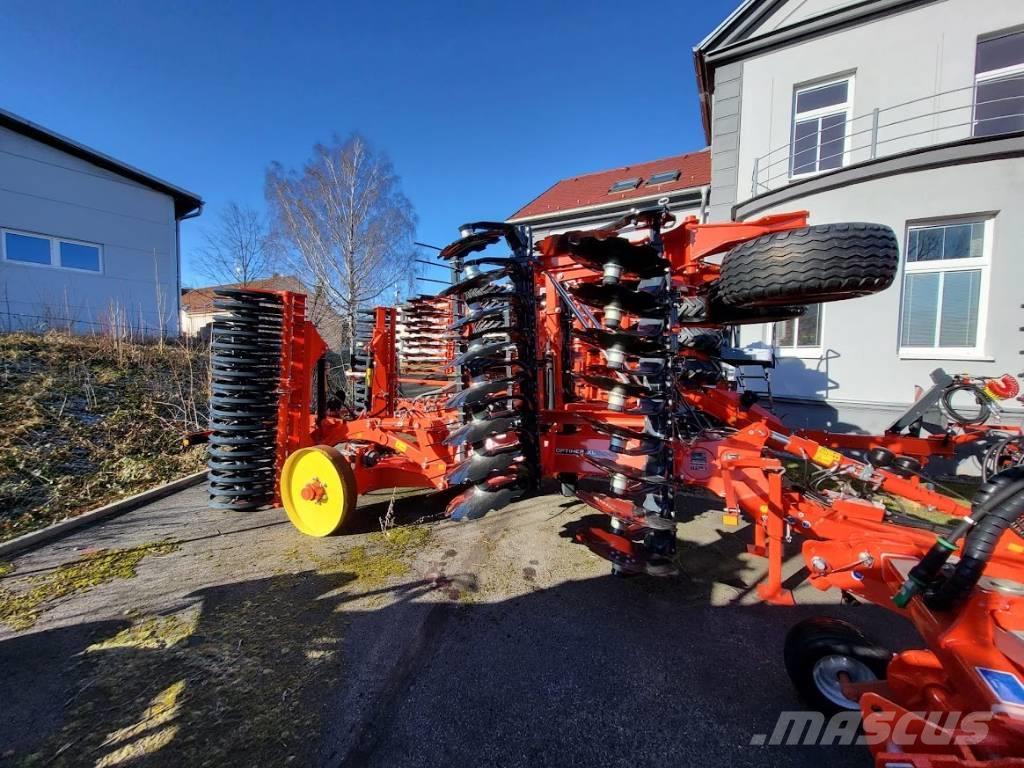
{"points": [[944, 288], [625, 185], [821, 116], [662, 177], [802, 332], [31, 250], [79, 256], [999, 84], [26, 248]]}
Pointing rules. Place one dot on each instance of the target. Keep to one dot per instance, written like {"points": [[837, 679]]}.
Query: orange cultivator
{"points": [[600, 358]]}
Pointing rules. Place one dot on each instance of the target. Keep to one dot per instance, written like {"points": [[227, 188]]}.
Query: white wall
{"points": [[796, 11], [860, 360], [45, 191], [192, 323], [895, 59]]}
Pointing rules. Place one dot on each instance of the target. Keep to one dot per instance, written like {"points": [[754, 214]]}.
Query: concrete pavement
{"points": [[499, 642]]}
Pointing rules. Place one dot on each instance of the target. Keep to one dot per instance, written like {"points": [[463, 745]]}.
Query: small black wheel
{"points": [[880, 457], [905, 466], [822, 653]]}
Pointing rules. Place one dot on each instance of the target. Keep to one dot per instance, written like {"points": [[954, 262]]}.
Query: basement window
{"points": [[625, 185], [662, 178]]}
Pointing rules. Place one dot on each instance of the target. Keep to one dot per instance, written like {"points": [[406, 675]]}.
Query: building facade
{"points": [[906, 113], [87, 243], [594, 200]]}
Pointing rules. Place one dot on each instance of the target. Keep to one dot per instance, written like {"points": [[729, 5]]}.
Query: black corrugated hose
{"points": [[997, 505]]}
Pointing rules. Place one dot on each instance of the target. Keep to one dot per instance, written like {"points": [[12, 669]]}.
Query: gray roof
{"points": [[185, 202]]}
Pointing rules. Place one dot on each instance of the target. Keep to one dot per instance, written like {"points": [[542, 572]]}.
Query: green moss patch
{"points": [[385, 556], [20, 610]]}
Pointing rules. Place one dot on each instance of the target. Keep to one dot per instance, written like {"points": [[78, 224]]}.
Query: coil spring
{"points": [[245, 362]]}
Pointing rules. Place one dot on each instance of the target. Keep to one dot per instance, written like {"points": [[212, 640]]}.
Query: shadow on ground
{"points": [[593, 672]]}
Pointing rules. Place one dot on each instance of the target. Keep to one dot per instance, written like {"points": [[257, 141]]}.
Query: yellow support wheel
{"points": [[318, 490]]}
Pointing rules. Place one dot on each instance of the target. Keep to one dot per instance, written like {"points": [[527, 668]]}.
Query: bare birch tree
{"points": [[236, 248], [344, 223]]}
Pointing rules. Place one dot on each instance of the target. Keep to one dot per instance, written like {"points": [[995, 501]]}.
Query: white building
{"points": [[87, 242], [593, 200], [908, 113]]}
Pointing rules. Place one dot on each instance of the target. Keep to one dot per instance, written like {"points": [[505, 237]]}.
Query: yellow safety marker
{"points": [[825, 457], [318, 490]]}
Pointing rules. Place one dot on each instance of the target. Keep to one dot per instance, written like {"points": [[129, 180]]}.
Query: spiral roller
{"points": [[245, 374]]}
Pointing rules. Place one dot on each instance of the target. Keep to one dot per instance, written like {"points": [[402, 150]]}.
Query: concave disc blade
{"points": [[634, 302], [480, 466], [483, 351], [476, 317], [472, 283], [478, 429], [632, 473], [593, 250], [477, 502], [479, 392], [616, 429], [609, 384], [629, 342], [475, 242]]}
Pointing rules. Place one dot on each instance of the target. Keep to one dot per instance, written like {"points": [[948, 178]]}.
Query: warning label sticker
{"points": [[1007, 687]]}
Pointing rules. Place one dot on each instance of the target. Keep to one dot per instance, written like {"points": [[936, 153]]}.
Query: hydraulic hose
{"points": [[982, 401], [997, 505]]}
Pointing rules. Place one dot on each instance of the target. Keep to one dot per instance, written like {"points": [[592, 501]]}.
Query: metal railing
{"points": [[934, 119]]}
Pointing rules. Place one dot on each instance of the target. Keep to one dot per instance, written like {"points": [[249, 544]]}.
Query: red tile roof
{"points": [[199, 301], [592, 188]]}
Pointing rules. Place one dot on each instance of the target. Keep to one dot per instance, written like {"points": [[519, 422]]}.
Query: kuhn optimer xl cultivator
{"points": [[599, 359]]}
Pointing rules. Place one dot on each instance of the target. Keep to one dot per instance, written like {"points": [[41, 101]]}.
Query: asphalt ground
{"points": [[498, 642]]}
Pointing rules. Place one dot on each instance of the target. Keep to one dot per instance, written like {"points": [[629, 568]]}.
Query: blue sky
{"points": [[481, 105]]}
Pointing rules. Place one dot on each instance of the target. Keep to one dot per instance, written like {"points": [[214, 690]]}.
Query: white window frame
{"points": [[806, 352], [795, 117], [984, 263], [54, 251]]}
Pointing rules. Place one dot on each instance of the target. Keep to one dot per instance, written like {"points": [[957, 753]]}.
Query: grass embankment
{"points": [[89, 419]]}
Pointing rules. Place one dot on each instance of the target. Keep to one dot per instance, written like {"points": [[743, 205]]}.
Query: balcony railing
{"points": [[934, 119]]}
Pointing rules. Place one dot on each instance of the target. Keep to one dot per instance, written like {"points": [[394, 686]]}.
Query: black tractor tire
{"points": [[710, 308], [826, 262], [701, 338], [814, 644]]}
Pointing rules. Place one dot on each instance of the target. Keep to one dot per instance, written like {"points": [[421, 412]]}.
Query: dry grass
{"points": [[90, 419]]}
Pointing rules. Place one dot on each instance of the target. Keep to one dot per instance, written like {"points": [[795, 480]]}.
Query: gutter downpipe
{"points": [[705, 193], [177, 255]]}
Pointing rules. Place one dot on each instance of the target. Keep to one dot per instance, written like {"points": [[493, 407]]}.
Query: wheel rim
{"points": [[322, 512], [828, 676]]}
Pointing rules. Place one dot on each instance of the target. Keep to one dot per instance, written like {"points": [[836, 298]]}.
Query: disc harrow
{"points": [[600, 359], [497, 457]]}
